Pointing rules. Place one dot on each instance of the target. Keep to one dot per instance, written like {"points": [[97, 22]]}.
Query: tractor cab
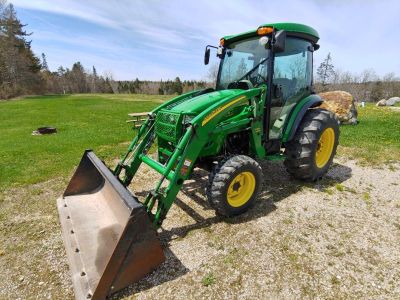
{"points": [[278, 56]]}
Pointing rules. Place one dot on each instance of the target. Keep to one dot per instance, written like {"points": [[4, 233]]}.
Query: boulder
{"points": [[381, 102], [342, 104], [392, 101]]}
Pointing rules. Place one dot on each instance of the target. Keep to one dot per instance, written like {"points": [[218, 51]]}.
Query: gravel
{"points": [[336, 238]]}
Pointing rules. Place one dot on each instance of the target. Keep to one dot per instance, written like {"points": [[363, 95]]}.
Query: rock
{"points": [[342, 104], [392, 101], [381, 102]]}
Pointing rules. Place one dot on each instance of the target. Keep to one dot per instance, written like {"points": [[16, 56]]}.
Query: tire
{"points": [[310, 154], [234, 185]]}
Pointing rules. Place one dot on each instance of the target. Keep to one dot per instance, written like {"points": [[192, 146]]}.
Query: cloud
{"points": [[172, 34]]}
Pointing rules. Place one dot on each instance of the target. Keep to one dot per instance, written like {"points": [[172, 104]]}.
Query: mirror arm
{"points": [[210, 46]]}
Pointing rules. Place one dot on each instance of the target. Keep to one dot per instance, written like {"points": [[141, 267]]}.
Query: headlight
{"points": [[187, 119]]}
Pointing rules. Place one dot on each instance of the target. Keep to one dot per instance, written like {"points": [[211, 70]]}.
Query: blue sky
{"points": [[164, 39]]}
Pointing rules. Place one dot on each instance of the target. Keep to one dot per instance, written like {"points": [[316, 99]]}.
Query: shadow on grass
{"points": [[278, 185]]}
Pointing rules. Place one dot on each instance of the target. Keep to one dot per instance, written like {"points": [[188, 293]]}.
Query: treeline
{"points": [[74, 80], [79, 80], [23, 73], [161, 87], [366, 86]]}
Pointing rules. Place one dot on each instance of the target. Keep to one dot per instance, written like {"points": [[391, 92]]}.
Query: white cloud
{"points": [[359, 34]]}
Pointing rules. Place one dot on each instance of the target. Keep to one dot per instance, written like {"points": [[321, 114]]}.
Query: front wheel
{"points": [[234, 185], [310, 154]]}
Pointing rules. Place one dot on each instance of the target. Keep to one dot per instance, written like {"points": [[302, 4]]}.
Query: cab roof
{"points": [[293, 29]]}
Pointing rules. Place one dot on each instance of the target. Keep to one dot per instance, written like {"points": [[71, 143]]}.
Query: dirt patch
{"points": [[337, 238]]}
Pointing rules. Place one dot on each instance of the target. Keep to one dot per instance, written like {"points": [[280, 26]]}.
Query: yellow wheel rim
{"points": [[325, 147], [241, 189]]}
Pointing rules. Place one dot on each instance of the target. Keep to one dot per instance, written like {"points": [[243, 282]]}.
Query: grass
{"points": [[208, 279], [83, 122], [98, 122], [340, 187], [376, 139]]}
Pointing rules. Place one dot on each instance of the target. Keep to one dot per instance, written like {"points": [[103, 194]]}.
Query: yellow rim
{"points": [[325, 147], [241, 189]]}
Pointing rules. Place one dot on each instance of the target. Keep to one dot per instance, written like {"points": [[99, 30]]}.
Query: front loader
{"points": [[262, 108]]}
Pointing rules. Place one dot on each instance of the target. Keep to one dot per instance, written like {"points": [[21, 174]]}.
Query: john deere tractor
{"points": [[262, 108]]}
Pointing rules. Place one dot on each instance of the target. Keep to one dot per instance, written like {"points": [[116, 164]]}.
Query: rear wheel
{"points": [[310, 153], [234, 185]]}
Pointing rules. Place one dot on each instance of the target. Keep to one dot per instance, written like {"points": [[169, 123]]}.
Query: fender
{"points": [[297, 114]]}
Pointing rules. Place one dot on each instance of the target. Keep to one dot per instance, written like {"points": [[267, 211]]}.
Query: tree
{"points": [[94, 80], [241, 69], [325, 70], [213, 73], [178, 86], [78, 78], [45, 66], [19, 67]]}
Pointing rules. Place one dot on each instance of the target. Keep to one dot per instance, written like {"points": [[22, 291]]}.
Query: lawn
{"points": [[376, 139], [97, 122]]}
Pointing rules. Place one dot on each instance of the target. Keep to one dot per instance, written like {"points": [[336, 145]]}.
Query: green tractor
{"points": [[262, 108]]}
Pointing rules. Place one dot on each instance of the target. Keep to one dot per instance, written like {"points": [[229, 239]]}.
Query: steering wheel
{"points": [[259, 79]]}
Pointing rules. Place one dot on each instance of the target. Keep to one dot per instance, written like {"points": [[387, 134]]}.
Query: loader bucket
{"points": [[109, 238]]}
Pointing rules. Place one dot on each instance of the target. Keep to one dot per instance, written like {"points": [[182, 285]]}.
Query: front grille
{"points": [[169, 126]]}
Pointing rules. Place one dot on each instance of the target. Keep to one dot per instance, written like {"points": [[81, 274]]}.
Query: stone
{"points": [[381, 102], [342, 104], [392, 101]]}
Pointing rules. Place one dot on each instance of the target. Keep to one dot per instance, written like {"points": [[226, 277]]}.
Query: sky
{"points": [[153, 40]]}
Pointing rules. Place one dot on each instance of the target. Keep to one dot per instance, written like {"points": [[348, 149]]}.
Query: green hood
{"points": [[198, 104]]}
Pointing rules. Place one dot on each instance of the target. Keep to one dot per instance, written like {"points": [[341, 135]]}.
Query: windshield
{"points": [[244, 60]]}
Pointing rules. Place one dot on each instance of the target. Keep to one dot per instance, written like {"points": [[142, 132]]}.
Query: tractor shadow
{"points": [[277, 186]]}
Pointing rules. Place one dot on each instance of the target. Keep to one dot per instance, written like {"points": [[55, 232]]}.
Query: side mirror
{"points": [[207, 56], [280, 41]]}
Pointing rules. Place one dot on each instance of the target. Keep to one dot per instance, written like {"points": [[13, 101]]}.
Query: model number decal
{"points": [[219, 109]]}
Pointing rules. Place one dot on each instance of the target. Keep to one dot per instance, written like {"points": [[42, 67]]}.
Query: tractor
{"points": [[263, 107]]}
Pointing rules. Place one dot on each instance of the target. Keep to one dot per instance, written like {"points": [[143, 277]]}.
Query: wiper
{"points": [[251, 71]]}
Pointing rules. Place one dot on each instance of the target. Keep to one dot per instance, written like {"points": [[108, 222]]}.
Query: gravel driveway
{"points": [[337, 238]]}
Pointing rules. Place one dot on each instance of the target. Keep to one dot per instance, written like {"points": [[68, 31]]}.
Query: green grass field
{"points": [[376, 139], [98, 122]]}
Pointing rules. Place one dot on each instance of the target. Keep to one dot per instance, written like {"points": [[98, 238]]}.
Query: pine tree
{"points": [[94, 80], [45, 66], [178, 86], [19, 67], [78, 78], [326, 70]]}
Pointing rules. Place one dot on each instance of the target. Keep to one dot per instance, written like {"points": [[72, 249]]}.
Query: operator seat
{"points": [[242, 85]]}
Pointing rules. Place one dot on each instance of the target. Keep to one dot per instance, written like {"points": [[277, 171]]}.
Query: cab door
{"points": [[292, 81]]}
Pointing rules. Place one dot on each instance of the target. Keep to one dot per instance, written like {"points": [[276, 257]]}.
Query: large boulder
{"points": [[392, 101], [381, 102], [342, 104]]}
